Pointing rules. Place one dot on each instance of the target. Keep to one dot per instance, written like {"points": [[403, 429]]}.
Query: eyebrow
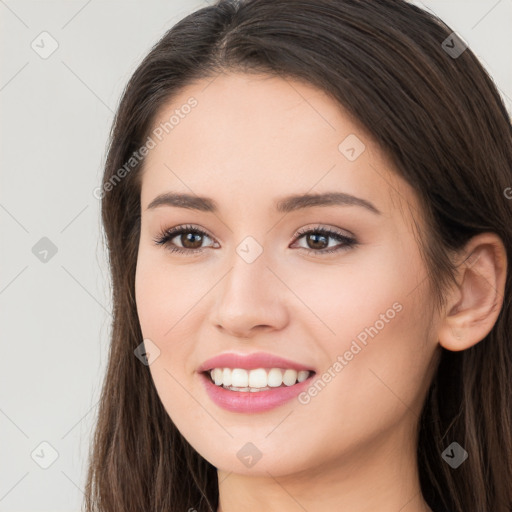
{"points": [[284, 205]]}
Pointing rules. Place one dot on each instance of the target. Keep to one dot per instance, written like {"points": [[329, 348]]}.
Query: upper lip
{"points": [[250, 362]]}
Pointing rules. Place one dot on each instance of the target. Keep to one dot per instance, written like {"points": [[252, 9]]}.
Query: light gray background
{"points": [[55, 315]]}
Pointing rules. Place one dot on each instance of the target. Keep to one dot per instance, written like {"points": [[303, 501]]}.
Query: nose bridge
{"points": [[249, 295], [248, 275]]}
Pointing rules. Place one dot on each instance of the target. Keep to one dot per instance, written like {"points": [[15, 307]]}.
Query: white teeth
{"points": [[259, 379], [290, 377], [275, 377], [226, 377], [239, 378], [302, 375], [217, 376]]}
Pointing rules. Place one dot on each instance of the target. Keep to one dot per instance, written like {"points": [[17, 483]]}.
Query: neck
{"points": [[381, 477]]}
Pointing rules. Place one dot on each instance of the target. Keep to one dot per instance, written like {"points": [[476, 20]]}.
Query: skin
{"points": [[250, 140]]}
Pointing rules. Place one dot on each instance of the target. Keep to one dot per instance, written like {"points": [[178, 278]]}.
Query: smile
{"points": [[253, 382], [259, 379]]}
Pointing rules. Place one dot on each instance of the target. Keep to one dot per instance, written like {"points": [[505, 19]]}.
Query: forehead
{"points": [[249, 139]]}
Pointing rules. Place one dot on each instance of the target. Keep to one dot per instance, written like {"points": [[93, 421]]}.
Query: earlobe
{"points": [[475, 303]]}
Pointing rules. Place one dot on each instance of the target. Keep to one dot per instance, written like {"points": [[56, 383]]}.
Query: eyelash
{"points": [[165, 236]]}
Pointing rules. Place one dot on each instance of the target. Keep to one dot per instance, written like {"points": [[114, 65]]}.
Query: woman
{"points": [[308, 224]]}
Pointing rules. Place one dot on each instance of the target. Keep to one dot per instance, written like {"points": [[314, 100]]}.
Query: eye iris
{"points": [[189, 237], [316, 237]]}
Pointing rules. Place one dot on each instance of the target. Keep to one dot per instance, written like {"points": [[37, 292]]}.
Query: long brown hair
{"points": [[439, 118]]}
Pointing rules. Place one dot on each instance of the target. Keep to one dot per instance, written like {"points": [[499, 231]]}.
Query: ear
{"points": [[475, 303]]}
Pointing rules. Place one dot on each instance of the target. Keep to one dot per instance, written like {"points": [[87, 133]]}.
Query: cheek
{"points": [[378, 370], [366, 312], [375, 334], [366, 288], [165, 293], [171, 304], [166, 314]]}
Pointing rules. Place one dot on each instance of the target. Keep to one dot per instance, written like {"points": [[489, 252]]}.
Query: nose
{"points": [[251, 299]]}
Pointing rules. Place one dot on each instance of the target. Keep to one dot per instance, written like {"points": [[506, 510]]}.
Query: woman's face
{"points": [[260, 280]]}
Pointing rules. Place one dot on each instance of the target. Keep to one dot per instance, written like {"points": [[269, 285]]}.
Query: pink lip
{"points": [[251, 401], [250, 362]]}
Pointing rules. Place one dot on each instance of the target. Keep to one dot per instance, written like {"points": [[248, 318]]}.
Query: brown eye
{"points": [[184, 239], [317, 240], [191, 240]]}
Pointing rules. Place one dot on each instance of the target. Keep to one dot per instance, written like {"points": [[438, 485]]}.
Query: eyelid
{"points": [[167, 234], [348, 240], [324, 227]]}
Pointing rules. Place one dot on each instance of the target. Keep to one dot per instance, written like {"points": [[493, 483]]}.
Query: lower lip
{"points": [[252, 401]]}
